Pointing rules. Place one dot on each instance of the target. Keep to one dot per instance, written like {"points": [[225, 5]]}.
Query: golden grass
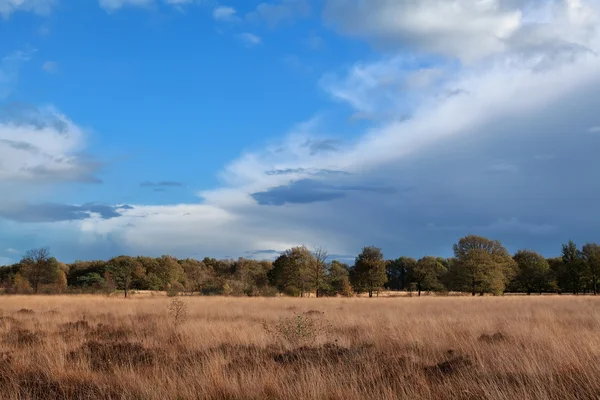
{"points": [[93, 347]]}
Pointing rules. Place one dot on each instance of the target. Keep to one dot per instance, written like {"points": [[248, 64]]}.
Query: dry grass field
{"points": [[94, 347]]}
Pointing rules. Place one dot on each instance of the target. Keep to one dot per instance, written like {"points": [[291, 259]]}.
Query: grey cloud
{"points": [[311, 191], [53, 212], [24, 114], [20, 145], [307, 171], [270, 251], [322, 146], [83, 173], [163, 184]]}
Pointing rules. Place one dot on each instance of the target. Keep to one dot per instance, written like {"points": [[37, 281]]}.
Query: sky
{"points": [[242, 128]]}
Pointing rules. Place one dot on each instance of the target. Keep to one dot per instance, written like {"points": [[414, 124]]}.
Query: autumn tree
{"points": [[369, 272], [425, 274], [533, 271], [590, 253], [38, 267], [482, 265], [316, 269], [251, 276], [123, 270]]}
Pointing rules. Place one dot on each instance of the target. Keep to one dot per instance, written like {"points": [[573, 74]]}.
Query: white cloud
{"points": [[113, 5], [224, 13], [275, 13], [42, 7], [50, 66], [594, 129], [39, 145], [250, 39], [466, 29]]}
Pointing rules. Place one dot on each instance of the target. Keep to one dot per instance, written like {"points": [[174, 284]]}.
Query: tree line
{"points": [[479, 266]]}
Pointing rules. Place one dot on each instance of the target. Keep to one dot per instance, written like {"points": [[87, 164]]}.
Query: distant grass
{"points": [[93, 347]]}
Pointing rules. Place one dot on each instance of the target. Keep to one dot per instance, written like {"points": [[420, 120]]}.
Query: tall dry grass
{"points": [[92, 347]]}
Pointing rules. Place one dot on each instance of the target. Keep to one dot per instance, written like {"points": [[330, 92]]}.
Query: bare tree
{"points": [[317, 268], [39, 267]]}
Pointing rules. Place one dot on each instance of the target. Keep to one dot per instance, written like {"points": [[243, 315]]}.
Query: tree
{"points": [[338, 279], [123, 270], [369, 270], [61, 282], [38, 267], [533, 272], [591, 256], [482, 265], [397, 272], [316, 269], [426, 273], [574, 266], [291, 271]]}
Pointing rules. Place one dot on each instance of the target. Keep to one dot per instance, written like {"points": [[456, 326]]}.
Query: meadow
{"points": [[192, 347]]}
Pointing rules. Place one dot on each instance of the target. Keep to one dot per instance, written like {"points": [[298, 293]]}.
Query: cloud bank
{"points": [[488, 109]]}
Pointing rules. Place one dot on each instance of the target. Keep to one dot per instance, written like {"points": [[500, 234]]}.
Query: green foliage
{"points": [[397, 272], [590, 253], [533, 273], [369, 272], [575, 267], [291, 272], [426, 274], [338, 280], [482, 265], [123, 270]]}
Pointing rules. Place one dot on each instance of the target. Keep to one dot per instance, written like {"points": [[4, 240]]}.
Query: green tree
{"points": [[338, 279], [426, 273], [397, 272], [591, 256], [533, 273], [575, 267], [123, 270], [482, 265], [291, 271], [369, 270], [38, 267]]}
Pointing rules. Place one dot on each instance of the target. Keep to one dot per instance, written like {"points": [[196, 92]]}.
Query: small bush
{"points": [[178, 310], [300, 330]]}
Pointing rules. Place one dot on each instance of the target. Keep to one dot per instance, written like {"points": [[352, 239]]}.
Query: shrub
{"points": [[299, 330]]}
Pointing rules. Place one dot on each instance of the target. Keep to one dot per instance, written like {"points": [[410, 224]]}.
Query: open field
{"points": [[93, 347]]}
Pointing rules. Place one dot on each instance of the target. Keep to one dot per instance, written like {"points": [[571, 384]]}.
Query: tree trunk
{"points": [[126, 290], [370, 292]]}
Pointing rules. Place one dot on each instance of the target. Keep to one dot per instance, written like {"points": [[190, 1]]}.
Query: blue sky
{"points": [[205, 128]]}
